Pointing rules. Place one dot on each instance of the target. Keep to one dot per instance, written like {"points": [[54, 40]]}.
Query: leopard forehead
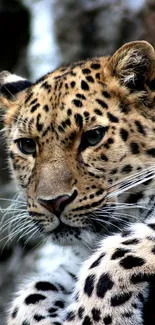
{"points": [[71, 99]]}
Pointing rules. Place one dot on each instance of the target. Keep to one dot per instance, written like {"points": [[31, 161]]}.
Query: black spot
{"points": [[97, 262], [134, 197], [132, 241], [61, 129], [39, 125], [46, 286], [104, 157], [140, 127], [93, 119], [97, 75], [87, 321], [101, 103], [86, 71], [33, 101], [34, 298], [84, 85], [113, 171], [59, 303], [134, 148], [134, 305], [131, 261], [107, 320], [97, 111], [151, 152], [89, 285], [52, 310], [90, 79], [80, 312], [28, 97], [46, 108], [56, 323], [126, 169], [72, 135], [46, 85], [70, 316], [120, 299], [106, 94], [96, 314], [142, 277], [66, 123], [77, 102], [124, 134], [81, 96], [78, 120], [119, 252], [38, 318], [110, 140], [112, 118], [103, 285], [69, 112], [73, 84], [14, 313], [34, 107], [86, 114], [95, 66]]}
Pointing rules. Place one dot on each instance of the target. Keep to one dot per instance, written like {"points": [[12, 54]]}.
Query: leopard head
{"points": [[79, 137]]}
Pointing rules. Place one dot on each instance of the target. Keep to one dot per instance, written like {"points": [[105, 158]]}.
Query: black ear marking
{"points": [[13, 88], [11, 84]]}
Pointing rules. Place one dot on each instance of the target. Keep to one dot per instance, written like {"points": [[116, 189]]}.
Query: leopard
{"points": [[81, 148]]}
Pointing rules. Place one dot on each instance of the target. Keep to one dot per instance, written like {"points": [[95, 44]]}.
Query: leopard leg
{"points": [[44, 298], [113, 285]]}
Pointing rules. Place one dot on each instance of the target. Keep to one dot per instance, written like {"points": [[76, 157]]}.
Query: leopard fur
{"points": [[82, 148]]}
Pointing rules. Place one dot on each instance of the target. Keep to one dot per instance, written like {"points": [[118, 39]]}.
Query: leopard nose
{"points": [[57, 205]]}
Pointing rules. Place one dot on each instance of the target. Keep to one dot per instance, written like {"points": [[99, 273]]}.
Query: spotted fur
{"points": [[82, 148]]}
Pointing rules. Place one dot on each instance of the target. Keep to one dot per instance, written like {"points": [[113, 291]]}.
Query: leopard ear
{"points": [[10, 86], [134, 64]]}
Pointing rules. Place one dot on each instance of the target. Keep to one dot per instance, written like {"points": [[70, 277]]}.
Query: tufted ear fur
{"points": [[11, 87], [134, 63]]}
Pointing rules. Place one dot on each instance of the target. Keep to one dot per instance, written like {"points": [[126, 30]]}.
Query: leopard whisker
{"points": [[126, 187]]}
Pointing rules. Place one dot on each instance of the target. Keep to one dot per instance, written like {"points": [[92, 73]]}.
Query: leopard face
{"points": [[76, 133]]}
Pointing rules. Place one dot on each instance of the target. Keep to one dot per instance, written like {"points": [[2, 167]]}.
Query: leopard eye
{"points": [[26, 146], [92, 137]]}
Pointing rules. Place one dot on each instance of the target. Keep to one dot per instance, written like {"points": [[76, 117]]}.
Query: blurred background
{"points": [[36, 36]]}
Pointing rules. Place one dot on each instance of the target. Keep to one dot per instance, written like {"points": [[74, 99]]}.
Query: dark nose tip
{"points": [[57, 205]]}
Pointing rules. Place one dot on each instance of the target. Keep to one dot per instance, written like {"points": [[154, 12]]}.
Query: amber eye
{"points": [[92, 137], [26, 146]]}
